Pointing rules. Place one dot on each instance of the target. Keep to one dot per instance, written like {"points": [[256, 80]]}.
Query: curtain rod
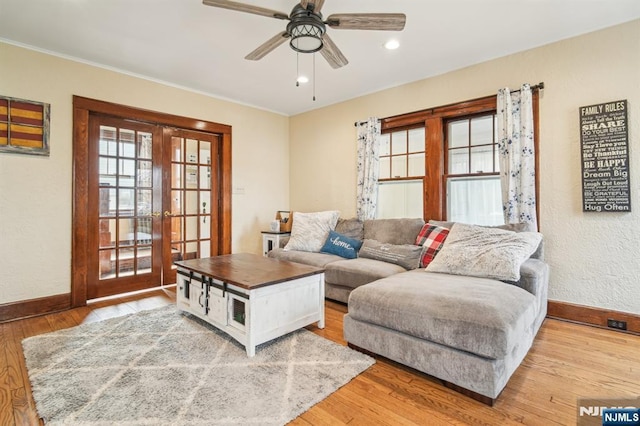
{"points": [[539, 86]]}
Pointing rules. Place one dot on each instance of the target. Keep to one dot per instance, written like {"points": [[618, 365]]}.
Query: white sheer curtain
{"points": [[517, 155], [368, 168]]}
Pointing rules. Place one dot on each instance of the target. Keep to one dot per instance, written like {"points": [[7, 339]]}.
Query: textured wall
{"points": [[36, 192], [594, 256]]}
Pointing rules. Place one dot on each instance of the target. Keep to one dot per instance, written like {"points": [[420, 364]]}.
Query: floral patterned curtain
{"points": [[368, 168], [517, 156]]}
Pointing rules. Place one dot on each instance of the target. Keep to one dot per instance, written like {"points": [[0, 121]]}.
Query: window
{"points": [[454, 174], [472, 181], [402, 172]]}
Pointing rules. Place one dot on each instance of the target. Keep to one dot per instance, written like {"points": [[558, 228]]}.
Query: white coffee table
{"points": [[252, 298]]}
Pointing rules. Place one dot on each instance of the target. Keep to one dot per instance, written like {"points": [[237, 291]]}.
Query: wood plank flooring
{"points": [[567, 361]]}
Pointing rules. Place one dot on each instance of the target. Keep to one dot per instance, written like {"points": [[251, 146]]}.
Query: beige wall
{"points": [[594, 257], [36, 192]]}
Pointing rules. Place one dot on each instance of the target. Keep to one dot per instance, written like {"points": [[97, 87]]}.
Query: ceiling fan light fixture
{"points": [[392, 44], [306, 37]]}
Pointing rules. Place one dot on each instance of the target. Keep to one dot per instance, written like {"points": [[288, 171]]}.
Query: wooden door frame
{"points": [[82, 108]]}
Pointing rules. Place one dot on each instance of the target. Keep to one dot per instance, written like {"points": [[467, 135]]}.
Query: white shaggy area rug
{"points": [[160, 367]]}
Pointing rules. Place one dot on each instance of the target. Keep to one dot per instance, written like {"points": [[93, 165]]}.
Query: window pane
{"points": [[192, 151], [127, 143], [176, 202], [385, 144], [144, 145], [475, 200], [145, 174], [482, 159], [191, 202], [191, 178], [458, 133], [400, 199], [385, 168], [107, 144], [126, 232], [126, 199], [176, 149], [144, 230], [399, 166], [458, 161], [176, 176], [192, 227], [205, 152], [482, 130], [399, 142], [145, 201], [205, 177], [416, 164], [416, 140]]}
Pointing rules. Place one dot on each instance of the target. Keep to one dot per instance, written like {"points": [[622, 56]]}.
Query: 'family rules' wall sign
{"points": [[604, 141]]}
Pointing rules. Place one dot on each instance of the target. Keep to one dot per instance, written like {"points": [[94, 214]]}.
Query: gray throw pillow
{"points": [[484, 252], [405, 255]]}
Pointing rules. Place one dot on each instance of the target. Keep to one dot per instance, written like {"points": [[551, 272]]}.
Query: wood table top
{"points": [[249, 271]]}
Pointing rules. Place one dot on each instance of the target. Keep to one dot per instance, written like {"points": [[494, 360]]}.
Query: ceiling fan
{"points": [[307, 29]]}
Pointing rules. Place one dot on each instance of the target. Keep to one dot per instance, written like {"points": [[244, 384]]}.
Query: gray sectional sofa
{"points": [[470, 332]]}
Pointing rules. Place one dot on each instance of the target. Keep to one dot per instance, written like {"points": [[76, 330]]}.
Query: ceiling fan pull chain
{"points": [[314, 77], [297, 69]]}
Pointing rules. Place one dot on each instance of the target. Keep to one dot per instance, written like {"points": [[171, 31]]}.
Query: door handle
{"points": [[167, 213], [155, 214]]}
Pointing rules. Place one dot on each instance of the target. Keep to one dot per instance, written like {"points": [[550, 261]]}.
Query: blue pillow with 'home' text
{"points": [[341, 245]]}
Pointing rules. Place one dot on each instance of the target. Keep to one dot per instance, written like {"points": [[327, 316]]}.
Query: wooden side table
{"points": [[271, 240]]}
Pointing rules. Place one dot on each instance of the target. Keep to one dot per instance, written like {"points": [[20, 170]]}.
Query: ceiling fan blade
{"points": [[267, 46], [241, 7], [317, 4], [367, 21], [331, 53]]}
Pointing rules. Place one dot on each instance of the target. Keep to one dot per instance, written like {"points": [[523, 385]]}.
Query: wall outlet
{"points": [[620, 325]]}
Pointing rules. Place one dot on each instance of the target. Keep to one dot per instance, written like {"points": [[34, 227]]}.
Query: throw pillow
{"points": [[309, 231], [341, 245], [484, 252], [516, 227], [431, 237], [405, 255], [352, 228]]}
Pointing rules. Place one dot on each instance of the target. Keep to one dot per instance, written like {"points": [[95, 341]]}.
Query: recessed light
{"points": [[303, 79], [392, 45]]}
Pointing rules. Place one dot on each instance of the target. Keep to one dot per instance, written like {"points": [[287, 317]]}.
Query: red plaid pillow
{"points": [[431, 237]]}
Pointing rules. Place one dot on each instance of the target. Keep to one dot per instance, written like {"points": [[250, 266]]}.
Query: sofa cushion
{"points": [[405, 255], [309, 231], [431, 237], [393, 231], [353, 273], [477, 315], [341, 245], [484, 252], [319, 260]]}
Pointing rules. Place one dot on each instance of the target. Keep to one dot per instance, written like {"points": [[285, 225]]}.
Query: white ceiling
{"points": [[201, 48]]}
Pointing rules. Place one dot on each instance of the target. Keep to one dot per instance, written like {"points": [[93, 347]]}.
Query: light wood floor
{"points": [[567, 361]]}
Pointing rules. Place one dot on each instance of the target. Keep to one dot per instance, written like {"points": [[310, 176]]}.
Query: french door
{"points": [[191, 214], [152, 195]]}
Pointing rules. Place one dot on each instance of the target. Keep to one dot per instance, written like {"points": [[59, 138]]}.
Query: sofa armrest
{"points": [[534, 278], [284, 240]]}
